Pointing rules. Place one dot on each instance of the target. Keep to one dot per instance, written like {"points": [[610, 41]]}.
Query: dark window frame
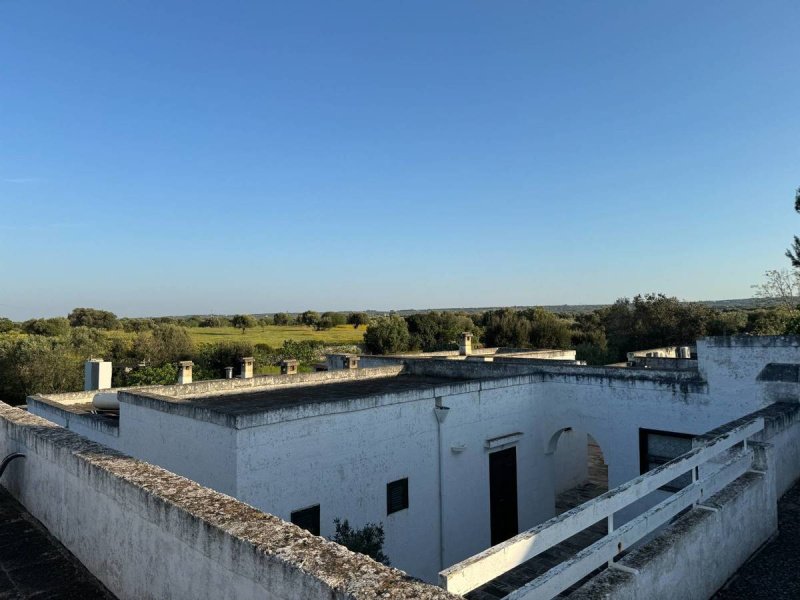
{"points": [[390, 507], [644, 462], [303, 513]]}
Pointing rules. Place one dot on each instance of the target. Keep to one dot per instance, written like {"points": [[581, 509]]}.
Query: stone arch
{"points": [[580, 471]]}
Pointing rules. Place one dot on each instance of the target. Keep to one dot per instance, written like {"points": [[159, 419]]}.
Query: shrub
{"points": [[367, 540]]}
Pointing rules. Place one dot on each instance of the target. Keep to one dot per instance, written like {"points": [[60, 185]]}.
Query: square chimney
{"points": [[185, 372], [465, 344], [350, 361], [247, 367], [96, 374], [289, 367]]}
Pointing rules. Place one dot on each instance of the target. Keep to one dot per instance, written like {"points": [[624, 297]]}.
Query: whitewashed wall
{"points": [[343, 461]]}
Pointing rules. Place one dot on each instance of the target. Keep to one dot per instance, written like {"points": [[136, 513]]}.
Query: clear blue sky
{"points": [[186, 157]]}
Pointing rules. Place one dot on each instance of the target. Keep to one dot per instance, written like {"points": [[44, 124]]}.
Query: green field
{"points": [[274, 335]]}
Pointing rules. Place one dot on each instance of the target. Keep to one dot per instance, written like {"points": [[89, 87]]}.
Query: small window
{"points": [[307, 518], [659, 447], [396, 495]]}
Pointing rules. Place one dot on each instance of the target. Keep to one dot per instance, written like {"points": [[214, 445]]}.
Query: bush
{"points": [[50, 327], [358, 318], [367, 540], [94, 318], [166, 374], [164, 344], [213, 358], [387, 335]]}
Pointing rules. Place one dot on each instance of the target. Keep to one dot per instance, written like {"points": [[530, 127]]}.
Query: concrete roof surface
{"points": [[260, 400]]}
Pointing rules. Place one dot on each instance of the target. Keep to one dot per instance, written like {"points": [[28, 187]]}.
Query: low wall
{"points": [[148, 533], [694, 556], [666, 364]]}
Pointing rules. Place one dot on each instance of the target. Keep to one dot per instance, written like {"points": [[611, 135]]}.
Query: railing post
{"points": [[610, 529]]}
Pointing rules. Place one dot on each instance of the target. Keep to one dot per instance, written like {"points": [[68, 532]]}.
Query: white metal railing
{"points": [[485, 566]]}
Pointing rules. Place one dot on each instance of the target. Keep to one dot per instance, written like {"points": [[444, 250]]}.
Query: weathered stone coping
{"points": [[679, 382], [213, 523], [752, 341], [683, 380], [778, 417], [45, 407], [188, 408]]}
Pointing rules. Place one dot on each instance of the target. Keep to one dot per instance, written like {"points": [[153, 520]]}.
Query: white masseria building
{"points": [[457, 454]]}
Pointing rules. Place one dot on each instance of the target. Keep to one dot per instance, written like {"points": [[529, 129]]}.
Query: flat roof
{"points": [[259, 400], [269, 404]]}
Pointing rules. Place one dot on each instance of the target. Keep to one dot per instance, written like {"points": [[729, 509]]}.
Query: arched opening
{"points": [[580, 470]]}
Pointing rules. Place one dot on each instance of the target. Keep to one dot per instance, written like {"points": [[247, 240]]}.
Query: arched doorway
{"points": [[580, 471]]}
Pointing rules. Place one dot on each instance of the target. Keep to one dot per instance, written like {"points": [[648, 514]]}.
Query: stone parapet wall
{"points": [[148, 533]]}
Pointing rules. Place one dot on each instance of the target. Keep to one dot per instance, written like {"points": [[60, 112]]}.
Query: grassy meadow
{"points": [[275, 335]]}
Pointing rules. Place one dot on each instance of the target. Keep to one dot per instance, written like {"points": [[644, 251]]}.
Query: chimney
{"points": [[185, 372], [465, 345], [684, 352], [289, 367], [247, 367], [228, 372], [350, 361], [96, 374]]}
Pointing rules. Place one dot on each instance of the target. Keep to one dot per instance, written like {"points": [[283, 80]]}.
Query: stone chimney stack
{"points": [[289, 367], [350, 361], [228, 372], [465, 344], [247, 367], [185, 372], [96, 374]]}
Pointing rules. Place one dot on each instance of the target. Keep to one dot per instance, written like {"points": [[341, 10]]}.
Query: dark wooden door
{"points": [[503, 494]]}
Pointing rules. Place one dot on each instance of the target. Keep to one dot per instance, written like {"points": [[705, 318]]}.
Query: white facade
{"points": [[342, 454]]}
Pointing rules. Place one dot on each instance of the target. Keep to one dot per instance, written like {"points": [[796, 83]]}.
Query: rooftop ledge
{"points": [[214, 526]]}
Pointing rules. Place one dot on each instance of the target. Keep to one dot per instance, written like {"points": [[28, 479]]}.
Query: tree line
{"points": [[602, 336]]}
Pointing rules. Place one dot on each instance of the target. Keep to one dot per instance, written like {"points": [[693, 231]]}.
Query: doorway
{"points": [[503, 494]]}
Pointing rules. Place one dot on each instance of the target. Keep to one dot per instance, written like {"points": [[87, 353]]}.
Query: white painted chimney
{"points": [[289, 366], [246, 371], [228, 372], [96, 374], [465, 344], [185, 372]]}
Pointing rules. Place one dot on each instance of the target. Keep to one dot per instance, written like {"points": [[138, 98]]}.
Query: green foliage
{"points": [[282, 319], [329, 320], [166, 374], [547, 330], [94, 318], [306, 351], [367, 540], [137, 325], [793, 325], [652, 321], [309, 318], [6, 325], [215, 322], [769, 321], [506, 328], [163, 344], [435, 331], [387, 335], [793, 253], [243, 322], [728, 322], [358, 318], [49, 327], [213, 358]]}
